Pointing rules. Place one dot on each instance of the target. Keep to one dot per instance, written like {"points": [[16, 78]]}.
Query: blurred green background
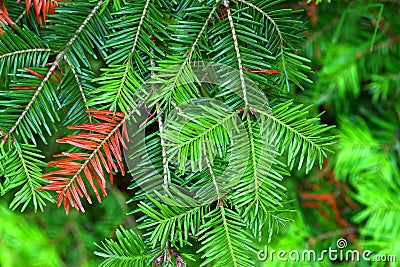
{"points": [[54, 239]]}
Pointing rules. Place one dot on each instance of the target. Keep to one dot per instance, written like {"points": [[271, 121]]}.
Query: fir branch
{"points": [[291, 125], [78, 82], [22, 166], [237, 50], [211, 126], [146, 6], [169, 223], [110, 137], [260, 186], [224, 239], [281, 42], [224, 228], [129, 60], [131, 48], [268, 17], [107, 137], [26, 50], [290, 68], [200, 34], [53, 67], [129, 250], [228, 236], [181, 77]]}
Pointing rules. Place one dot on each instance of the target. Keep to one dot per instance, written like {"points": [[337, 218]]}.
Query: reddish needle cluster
{"points": [[103, 142]]}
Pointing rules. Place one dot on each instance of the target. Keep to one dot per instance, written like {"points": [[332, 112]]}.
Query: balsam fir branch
{"points": [[104, 143], [22, 169]]}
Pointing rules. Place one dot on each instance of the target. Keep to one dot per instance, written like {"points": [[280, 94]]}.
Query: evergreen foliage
{"points": [[79, 72]]}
